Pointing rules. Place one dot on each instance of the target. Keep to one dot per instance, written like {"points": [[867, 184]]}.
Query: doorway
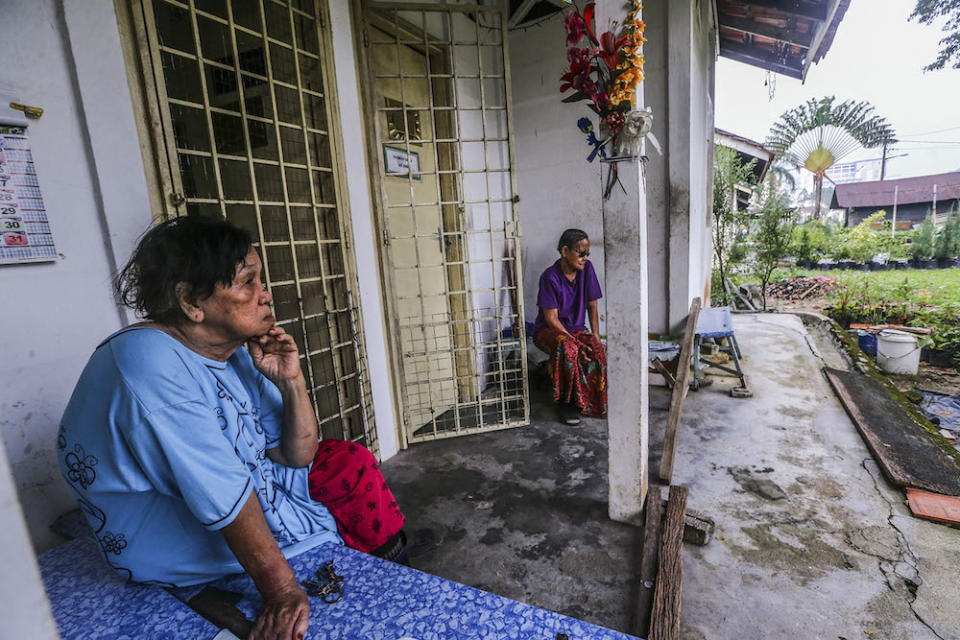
{"points": [[437, 94]]}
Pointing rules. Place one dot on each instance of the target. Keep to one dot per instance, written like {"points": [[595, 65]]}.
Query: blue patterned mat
{"points": [[89, 600], [381, 601], [387, 601]]}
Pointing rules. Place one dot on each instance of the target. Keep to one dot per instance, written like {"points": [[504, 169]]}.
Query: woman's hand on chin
{"points": [[275, 355]]}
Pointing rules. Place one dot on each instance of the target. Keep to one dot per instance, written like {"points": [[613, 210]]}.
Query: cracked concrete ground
{"points": [[839, 556], [811, 542]]}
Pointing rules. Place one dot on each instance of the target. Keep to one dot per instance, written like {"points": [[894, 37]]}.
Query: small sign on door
{"points": [[399, 162]]}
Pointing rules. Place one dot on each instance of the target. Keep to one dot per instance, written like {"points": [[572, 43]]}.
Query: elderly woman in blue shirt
{"points": [[190, 440]]}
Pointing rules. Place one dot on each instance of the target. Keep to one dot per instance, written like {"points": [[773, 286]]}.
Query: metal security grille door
{"points": [[241, 101], [438, 93]]}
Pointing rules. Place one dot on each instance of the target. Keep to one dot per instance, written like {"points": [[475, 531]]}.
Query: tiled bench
{"points": [[89, 600], [381, 601]]}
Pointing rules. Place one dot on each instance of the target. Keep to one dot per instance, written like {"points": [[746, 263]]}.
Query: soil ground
{"points": [[942, 380]]}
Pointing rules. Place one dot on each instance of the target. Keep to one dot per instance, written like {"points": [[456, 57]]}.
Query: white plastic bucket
{"points": [[897, 352]]}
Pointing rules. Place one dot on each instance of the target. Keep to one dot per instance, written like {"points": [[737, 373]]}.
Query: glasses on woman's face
{"points": [[584, 254]]}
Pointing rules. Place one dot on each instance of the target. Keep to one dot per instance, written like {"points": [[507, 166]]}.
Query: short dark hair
{"points": [[570, 238], [200, 252]]}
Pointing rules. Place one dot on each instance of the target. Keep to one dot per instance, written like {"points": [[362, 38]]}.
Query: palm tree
{"points": [[818, 134]]}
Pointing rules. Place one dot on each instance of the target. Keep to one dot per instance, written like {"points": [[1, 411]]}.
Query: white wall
{"points": [[703, 71], [57, 312], [658, 182], [680, 63], [66, 57], [361, 213], [23, 604], [558, 188]]}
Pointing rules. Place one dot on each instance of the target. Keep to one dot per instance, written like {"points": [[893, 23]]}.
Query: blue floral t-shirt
{"points": [[162, 448]]}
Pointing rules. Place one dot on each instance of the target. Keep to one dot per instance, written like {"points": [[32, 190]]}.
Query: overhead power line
{"points": [[926, 133], [930, 141]]}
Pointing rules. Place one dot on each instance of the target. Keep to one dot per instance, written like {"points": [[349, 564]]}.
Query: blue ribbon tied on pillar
{"points": [[586, 127]]}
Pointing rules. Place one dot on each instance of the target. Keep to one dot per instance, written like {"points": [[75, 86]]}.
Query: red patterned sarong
{"points": [[576, 378], [346, 478]]}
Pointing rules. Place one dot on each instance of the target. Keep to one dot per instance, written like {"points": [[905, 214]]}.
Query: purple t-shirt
{"points": [[568, 298]]}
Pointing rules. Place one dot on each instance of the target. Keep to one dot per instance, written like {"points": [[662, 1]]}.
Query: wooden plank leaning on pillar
{"points": [[679, 394], [665, 617]]}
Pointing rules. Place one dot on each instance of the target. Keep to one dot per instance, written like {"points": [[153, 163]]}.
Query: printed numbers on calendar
{"points": [[15, 239], [4, 180], [14, 225], [8, 210], [7, 195]]}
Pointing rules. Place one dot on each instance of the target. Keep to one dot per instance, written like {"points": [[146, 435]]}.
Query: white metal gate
{"points": [[242, 109], [438, 94]]}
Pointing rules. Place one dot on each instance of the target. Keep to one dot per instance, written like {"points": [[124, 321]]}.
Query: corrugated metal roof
{"points": [[879, 193], [785, 36]]}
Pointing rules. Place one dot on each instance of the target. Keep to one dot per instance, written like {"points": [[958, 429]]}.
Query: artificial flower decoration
{"points": [[586, 127], [576, 28], [605, 71]]}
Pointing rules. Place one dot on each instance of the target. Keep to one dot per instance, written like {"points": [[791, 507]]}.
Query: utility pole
{"points": [[883, 163]]}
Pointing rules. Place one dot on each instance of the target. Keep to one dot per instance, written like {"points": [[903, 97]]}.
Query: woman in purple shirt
{"points": [[578, 362]]}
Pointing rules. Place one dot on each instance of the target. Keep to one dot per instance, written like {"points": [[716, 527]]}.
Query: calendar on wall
{"points": [[24, 230]]}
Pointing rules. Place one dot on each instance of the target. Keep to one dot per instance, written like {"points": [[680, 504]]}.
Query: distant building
{"points": [[914, 198], [747, 150], [856, 171]]}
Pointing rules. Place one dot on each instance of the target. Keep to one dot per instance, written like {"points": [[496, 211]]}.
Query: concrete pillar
{"points": [[680, 67], [679, 120], [625, 251], [625, 260], [657, 184]]}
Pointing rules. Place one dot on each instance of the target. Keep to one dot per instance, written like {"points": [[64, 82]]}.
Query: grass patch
{"points": [[917, 297], [923, 287]]}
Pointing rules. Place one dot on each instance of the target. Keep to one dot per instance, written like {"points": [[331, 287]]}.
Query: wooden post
{"points": [[893, 227], [648, 562], [934, 203]]}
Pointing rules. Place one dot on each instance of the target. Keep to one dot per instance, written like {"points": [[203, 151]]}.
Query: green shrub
{"points": [[810, 241], [924, 239], [899, 245], [948, 240], [863, 241]]}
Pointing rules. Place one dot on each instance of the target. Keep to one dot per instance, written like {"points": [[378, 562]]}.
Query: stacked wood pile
{"points": [[801, 288]]}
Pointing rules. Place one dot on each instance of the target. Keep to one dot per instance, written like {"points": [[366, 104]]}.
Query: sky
{"points": [[878, 56]]}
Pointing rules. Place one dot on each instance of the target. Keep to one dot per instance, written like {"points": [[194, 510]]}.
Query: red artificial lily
{"points": [[572, 78], [588, 20], [575, 27], [610, 46]]}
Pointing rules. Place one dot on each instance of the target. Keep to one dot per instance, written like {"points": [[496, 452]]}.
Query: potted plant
{"points": [[800, 246], [945, 344], [948, 243], [897, 248], [923, 246], [863, 242]]}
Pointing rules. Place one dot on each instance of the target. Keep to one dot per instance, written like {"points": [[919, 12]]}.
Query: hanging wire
{"points": [[538, 23], [521, 27]]}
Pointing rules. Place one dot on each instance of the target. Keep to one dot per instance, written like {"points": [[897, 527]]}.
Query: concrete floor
{"points": [[811, 542]]}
